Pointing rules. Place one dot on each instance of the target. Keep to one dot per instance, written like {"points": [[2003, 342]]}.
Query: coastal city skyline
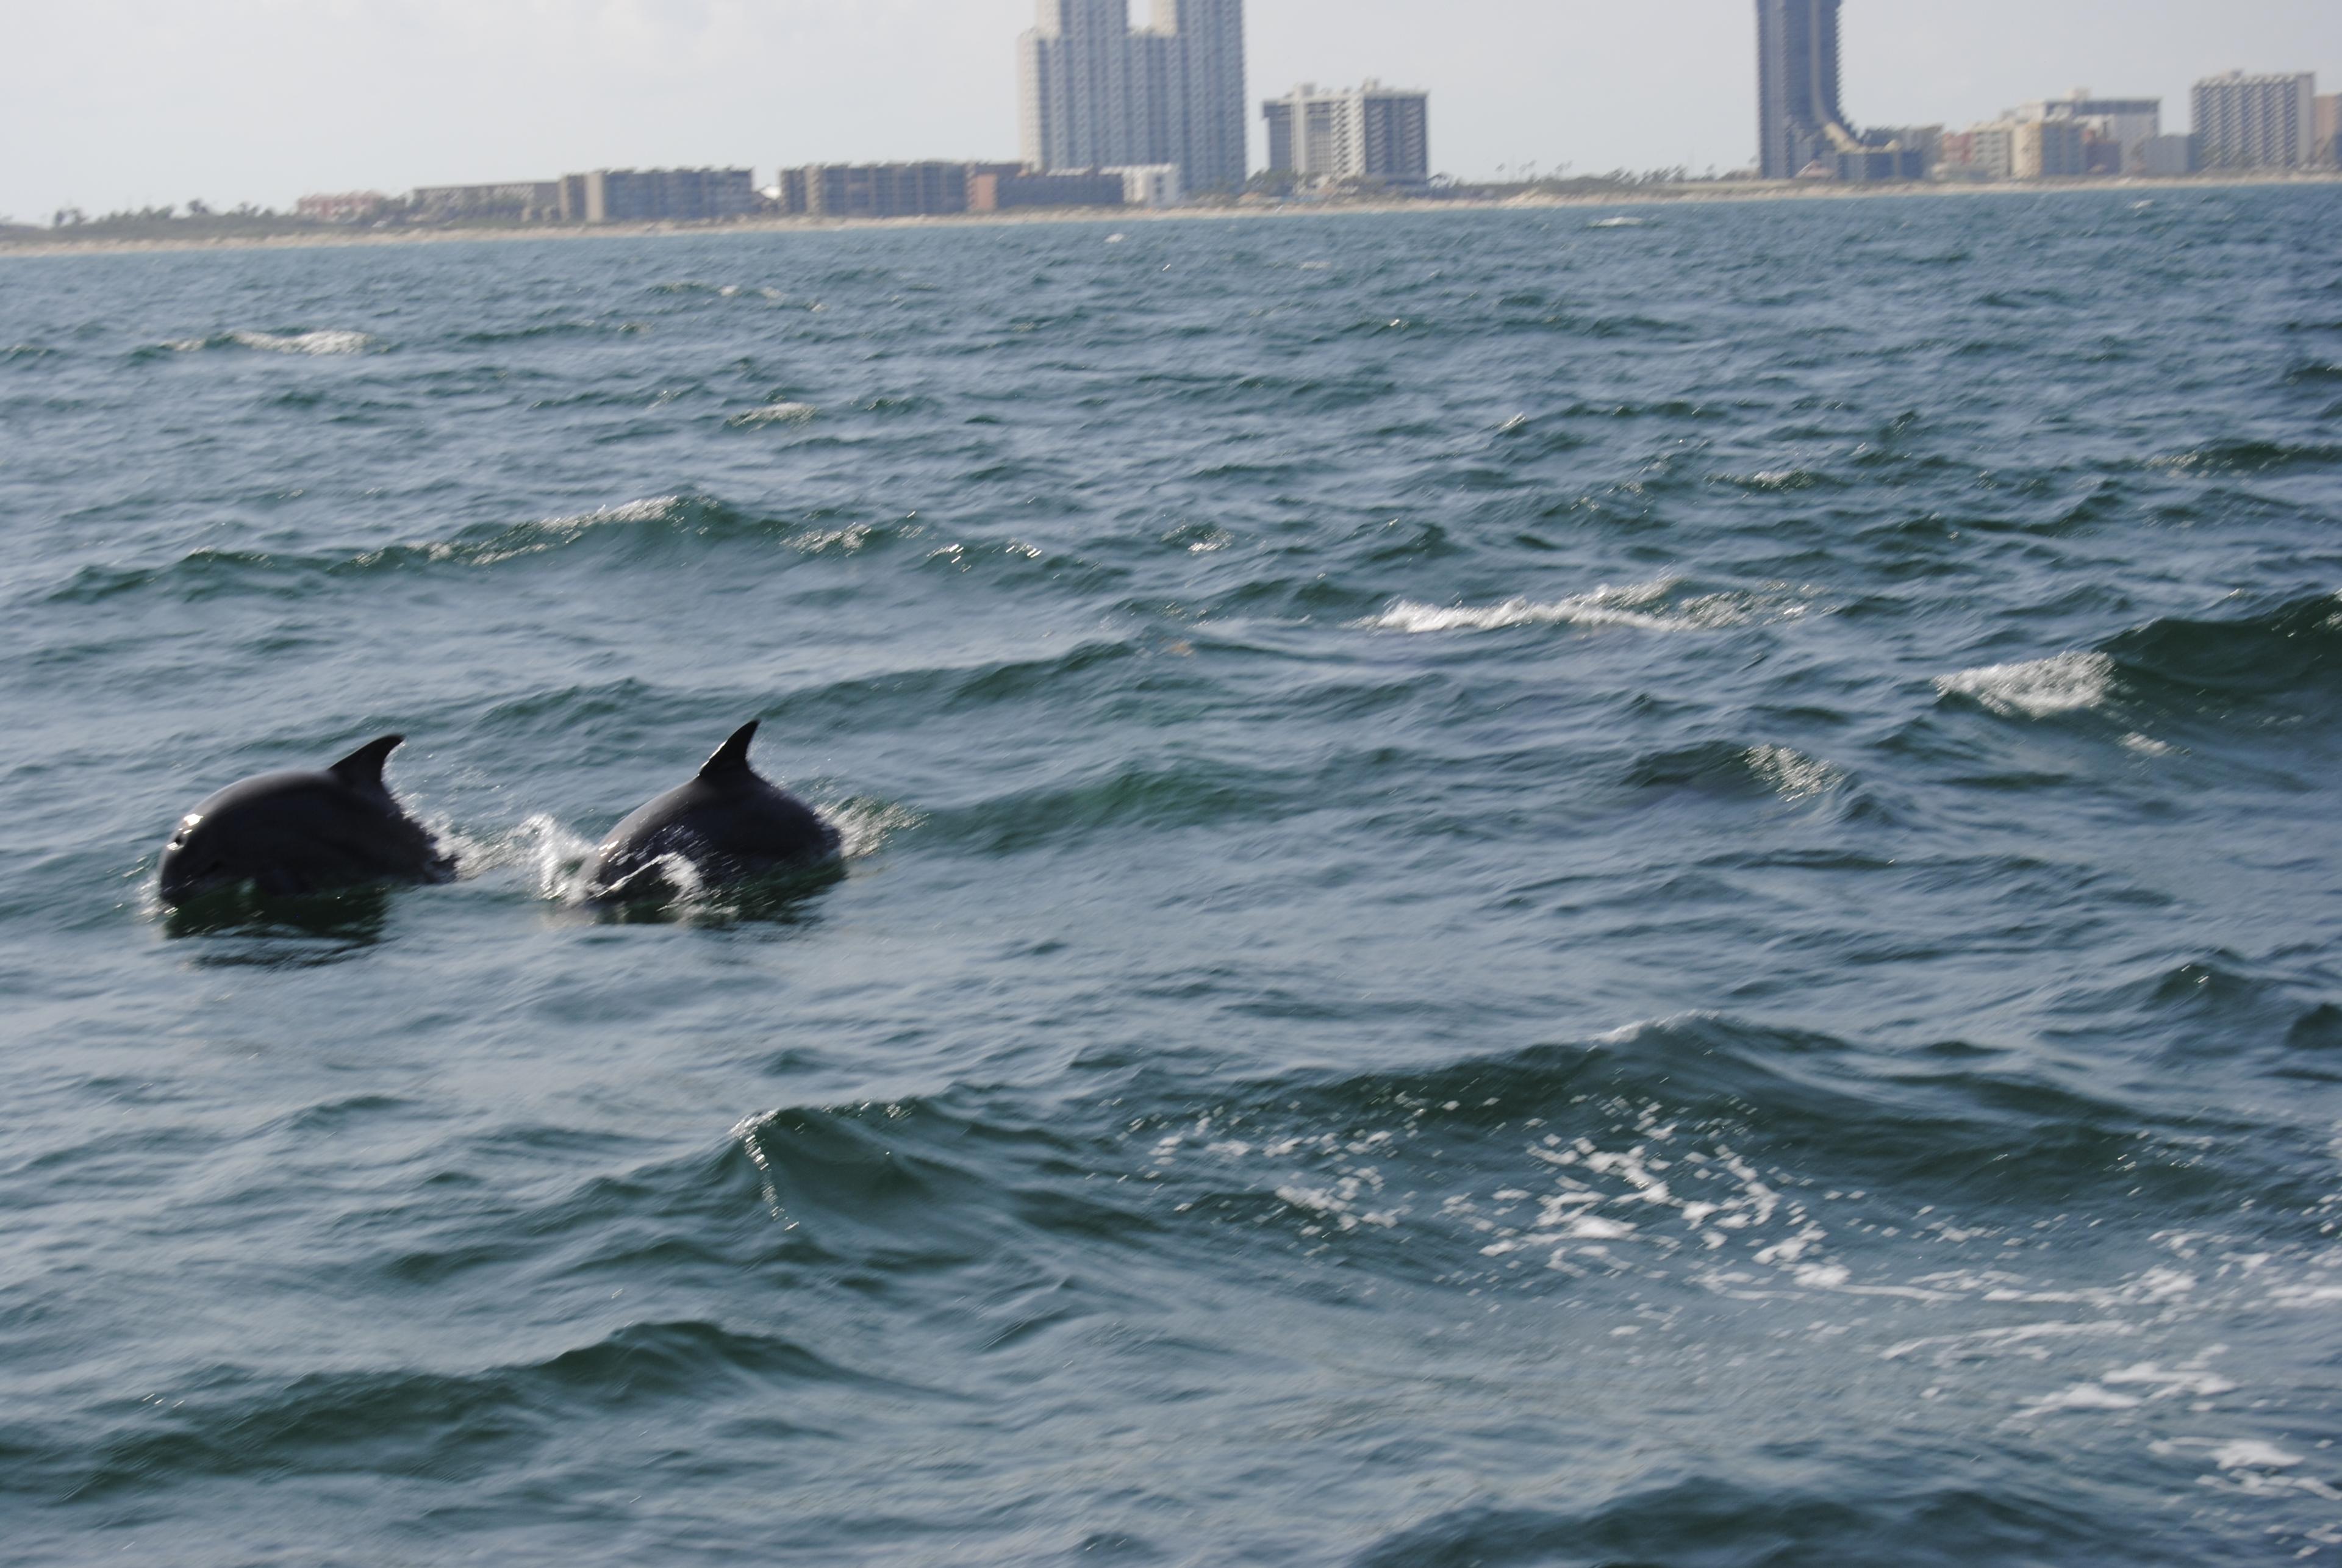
{"points": [[1898, 70]]}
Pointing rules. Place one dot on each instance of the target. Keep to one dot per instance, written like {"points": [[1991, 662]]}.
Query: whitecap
{"points": [[1619, 223], [2066, 683], [774, 413], [545, 533], [2246, 1453], [322, 342], [2081, 1396], [1648, 606], [2194, 1381]]}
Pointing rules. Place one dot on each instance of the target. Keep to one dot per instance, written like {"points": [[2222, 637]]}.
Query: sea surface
{"points": [[1523, 890]]}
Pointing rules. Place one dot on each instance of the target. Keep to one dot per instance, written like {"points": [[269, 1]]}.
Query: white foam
{"points": [[1340, 1203], [774, 413], [1646, 606], [2081, 1396], [863, 826], [1619, 223], [2194, 1381], [2023, 1338], [2068, 683], [542, 848], [545, 533], [1791, 774], [323, 342], [2246, 1453]]}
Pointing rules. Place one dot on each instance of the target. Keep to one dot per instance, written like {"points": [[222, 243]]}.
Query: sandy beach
{"points": [[43, 244]]}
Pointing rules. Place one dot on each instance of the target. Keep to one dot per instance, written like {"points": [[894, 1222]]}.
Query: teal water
{"points": [[1519, 893]]}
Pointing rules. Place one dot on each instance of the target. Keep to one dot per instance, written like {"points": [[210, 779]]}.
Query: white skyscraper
{"points": [[1096, 94]]}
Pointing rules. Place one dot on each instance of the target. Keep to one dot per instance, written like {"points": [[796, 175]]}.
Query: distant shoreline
{"points": [[46, 247]]}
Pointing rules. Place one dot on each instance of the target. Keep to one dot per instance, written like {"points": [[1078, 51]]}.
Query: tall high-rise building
{"points": [[2329, 129], [2257, 122], [1798, 121], [1095, 94], [1369, 133], [1799, 126], [1207, 138]]}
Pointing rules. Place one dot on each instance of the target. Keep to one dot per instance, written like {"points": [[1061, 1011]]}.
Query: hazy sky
{"points": [[118, 103]]}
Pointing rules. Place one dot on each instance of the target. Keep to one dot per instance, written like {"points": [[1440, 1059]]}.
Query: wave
{"points": [[2063, 683], [656, 521], [1657, 606], [1779, 481], [1187, 794], [1748, 1159], [2296, 645], [1879, 1513], [490, 337], [1727, 767], [2251, 1017], [2250, 457], [323, 341], [2175, 662], [773, 413], [411, 1423], [695, 288]]}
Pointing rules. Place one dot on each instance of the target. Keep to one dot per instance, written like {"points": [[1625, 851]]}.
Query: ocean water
{"points": [[1523, 891]]}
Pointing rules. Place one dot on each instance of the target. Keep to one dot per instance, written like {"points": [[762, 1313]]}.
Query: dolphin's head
{"points": [[210, 850]]}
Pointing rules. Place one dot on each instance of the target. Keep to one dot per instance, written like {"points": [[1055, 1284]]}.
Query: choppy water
{"points": [[1524, 892]]}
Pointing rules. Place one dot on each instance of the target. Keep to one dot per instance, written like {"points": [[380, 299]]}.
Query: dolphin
{"points": [[729, 823], [293, 833]]}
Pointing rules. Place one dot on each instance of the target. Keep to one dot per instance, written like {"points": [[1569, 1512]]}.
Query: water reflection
{"points": [[242, 927]]}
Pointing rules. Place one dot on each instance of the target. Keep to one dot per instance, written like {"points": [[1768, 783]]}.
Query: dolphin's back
{"points": [[729, 823], [291, 833]]}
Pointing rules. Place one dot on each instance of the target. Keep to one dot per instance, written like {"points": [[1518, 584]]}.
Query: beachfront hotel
{"points": [[1369, 133], [1095, 94], [2257, 122]]}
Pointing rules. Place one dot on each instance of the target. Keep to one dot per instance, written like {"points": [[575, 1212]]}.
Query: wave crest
{"points": [[2065, 683], [773, 413], [2174, 662], [320, 341], [1659, 606]]}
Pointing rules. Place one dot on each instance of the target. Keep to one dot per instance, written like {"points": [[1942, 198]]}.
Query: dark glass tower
{"points": [[1797, 114]]}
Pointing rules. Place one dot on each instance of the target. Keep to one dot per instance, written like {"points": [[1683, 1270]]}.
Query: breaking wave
{"points": [[323, 341], [1657, 606], [2292, 650]]}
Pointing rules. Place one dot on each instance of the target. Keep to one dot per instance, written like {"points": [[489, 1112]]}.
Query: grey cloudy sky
{"points": [[119, 103]]}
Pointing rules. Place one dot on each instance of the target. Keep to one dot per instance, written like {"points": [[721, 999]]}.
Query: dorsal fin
{"points": [[362, 769], [730, 758]]}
